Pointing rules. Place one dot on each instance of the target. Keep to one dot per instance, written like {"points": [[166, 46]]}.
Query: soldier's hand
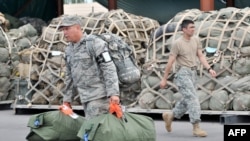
{"points": [[212, 73], [67, 104], [114, 99], [163, 83]]}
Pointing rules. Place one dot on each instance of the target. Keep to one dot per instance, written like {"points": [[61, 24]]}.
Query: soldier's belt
{"points": [[191, 68]]}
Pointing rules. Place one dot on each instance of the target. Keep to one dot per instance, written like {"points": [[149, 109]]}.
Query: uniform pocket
{"points": [[84, 65]]}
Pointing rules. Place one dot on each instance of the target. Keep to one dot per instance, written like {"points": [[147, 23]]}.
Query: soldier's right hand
{"points": [[67, 104], [163, 83]]}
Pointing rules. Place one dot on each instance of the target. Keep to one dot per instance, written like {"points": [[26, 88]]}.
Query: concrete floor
{"points": [[13, 128]]}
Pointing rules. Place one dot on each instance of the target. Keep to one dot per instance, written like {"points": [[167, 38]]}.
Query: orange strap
{"points": [[115, 108]]}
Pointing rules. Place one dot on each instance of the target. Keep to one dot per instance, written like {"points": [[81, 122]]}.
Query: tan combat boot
{"points": [[198, 132], [168, 117]]}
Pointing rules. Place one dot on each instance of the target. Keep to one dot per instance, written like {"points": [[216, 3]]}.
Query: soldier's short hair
{"points": [[186, 22]]}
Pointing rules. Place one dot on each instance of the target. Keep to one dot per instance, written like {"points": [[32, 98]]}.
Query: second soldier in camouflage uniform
{"points": [[96, 83], [184, 51]]}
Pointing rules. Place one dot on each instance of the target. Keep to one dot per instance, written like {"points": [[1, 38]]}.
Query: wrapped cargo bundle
{"points": [[46, 57], [4, 23], [241, 102], [15, 37], [225, 36], [93, 23], [135, 29], [5, 68]]}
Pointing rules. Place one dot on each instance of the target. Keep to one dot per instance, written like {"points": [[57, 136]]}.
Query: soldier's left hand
{"points": [[115, 99]]}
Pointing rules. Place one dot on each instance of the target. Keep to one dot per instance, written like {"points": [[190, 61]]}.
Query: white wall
{"points": [[77, 1], [83, 8]]}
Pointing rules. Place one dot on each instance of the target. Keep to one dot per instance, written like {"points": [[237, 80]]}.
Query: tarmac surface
{"points": [[13, 127]]}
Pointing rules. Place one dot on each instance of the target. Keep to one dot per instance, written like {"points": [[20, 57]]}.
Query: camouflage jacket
{"points": [[92, 80]]}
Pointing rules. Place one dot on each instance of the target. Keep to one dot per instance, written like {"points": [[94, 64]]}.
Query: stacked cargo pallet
{"points": [[11, 42], [225, 36], [46, 57]]}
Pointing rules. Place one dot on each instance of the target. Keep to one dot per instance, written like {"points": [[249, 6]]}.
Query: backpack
{"points": [[122, 55]]}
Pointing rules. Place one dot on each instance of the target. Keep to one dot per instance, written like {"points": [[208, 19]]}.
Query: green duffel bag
{"points": [[54, 126], [107, 127]]}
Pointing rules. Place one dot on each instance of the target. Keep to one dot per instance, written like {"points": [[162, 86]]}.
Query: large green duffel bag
{"points": [[107, 127], [54, 126]]}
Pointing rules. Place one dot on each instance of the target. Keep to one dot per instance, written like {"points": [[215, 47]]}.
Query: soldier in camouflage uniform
{"points": [[184, 51], [96, 83]]}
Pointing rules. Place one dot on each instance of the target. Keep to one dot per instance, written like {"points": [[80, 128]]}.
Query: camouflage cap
{"points": [[71, 20]]}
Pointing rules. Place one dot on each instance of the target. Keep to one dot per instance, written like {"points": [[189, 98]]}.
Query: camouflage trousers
{"points": [[186, 79], [96, 107]]}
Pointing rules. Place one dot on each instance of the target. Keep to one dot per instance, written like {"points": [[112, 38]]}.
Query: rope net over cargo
{"points": [[225, 37], [45, 63]]}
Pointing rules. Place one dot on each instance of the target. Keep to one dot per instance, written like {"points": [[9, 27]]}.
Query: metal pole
{"points": [[230, 3], [60, 10], [206, 5], [112, 4]]}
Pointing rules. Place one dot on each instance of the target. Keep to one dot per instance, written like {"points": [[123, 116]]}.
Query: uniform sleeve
{"points": [[68, 79], [108, 69], [174, 49], [199, 42]]}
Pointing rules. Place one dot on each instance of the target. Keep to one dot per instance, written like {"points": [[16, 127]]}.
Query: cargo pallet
{"points": [[133, 110], [5, 104], [226, 117]]}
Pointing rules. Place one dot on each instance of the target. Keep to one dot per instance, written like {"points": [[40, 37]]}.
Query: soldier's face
{"points": [[71, 33], [189, 30]]}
